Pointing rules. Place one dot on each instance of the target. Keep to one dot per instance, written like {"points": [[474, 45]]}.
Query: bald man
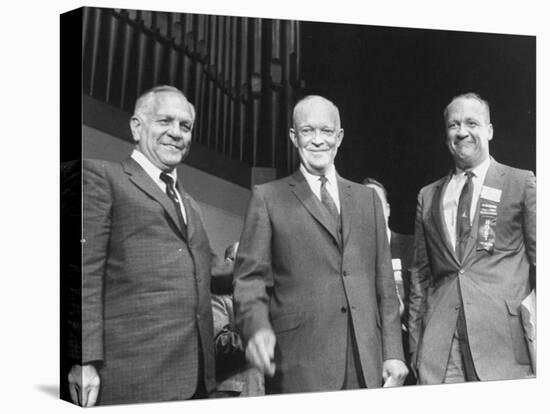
{"points": [[314, 290], [146, 314]]}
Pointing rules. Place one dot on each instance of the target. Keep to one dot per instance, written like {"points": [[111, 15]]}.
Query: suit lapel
{"points": [[346, 207], [192, 220], [494, 179], [142, 180], [300, 187], [438, 216]]}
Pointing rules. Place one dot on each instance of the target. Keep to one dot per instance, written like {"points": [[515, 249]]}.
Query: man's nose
{"points": [[175, 131], [317, 138], [462, 130]]}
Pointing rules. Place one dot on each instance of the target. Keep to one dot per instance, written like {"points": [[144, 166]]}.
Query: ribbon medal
{"points": [[486, 227]]}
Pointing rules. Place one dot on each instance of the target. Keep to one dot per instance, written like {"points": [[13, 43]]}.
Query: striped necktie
{"points": [[463, 225], [328, 201], [171, 193]]}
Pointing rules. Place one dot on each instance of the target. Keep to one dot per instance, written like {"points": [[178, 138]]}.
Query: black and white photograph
{"points": [[299, 207]]}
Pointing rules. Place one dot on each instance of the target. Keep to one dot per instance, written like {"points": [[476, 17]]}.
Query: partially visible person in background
{"points": [[233, 376], [401, 247]]}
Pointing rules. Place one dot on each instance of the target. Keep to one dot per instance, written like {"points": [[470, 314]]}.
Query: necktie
{"points": [[463, 225], [328, 201], [171, 193]]}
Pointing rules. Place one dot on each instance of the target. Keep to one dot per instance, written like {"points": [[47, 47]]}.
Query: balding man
{"points": [[146, 314], [314, 290], [475, 248]]}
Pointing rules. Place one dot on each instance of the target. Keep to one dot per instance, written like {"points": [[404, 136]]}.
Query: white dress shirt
{"points": [[154, 172], [315, 184], [452, 194]]}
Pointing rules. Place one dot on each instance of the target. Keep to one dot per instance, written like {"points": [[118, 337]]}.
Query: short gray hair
{"points": [[469, 95], [309, 98], [145, 98]]}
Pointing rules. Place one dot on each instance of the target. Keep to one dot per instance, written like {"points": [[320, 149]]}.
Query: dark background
{"points": [[392, 84]]}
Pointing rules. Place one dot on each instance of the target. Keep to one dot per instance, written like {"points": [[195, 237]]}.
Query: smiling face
{"points": [[468, 131], [161, 128], [316, 133]]}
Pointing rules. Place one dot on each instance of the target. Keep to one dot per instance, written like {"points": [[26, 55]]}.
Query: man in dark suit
{"points": [[401, 247], [475, 247], [314, 292], [146, 314]]}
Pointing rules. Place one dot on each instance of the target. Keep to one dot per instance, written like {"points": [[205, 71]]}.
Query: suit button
{"points": [[461, 271], [198, 316], [457, 307], [180, 250], [344, 309], [345, 273]]}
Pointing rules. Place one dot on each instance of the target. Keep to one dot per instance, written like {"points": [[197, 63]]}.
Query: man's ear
{"points": [[339, 137], [135, 127], [293, 137], [490, 137]]}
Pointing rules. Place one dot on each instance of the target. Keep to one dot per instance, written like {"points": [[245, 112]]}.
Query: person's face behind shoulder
{"points": [[163, 130], [316, 134], [468, 132]]}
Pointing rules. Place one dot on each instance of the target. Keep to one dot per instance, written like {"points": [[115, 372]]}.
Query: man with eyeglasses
{"points": [[314, 291]]}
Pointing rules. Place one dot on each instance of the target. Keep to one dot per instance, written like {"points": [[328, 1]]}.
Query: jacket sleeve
{"points": [[530, 218], [420, 280], [96, 217], [253, 277]]}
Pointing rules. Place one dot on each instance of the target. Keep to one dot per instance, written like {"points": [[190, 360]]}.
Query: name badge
{"points": [[487, 223], [491, 194]]}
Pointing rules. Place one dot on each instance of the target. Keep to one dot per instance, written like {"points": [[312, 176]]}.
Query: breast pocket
{"points": [[288, 322], [509, 227]]}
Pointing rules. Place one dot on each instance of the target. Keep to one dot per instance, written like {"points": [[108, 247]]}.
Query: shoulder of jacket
{"points": [[433, 185], [96, 163], [513, 170]]}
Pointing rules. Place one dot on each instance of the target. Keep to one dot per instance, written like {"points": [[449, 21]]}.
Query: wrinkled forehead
{"points": [[463, 107], [167, 102], [316, 111]]}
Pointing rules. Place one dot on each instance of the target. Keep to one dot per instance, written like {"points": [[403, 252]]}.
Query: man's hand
{"points": [[260, 351], [84, 385], [394, 372]]}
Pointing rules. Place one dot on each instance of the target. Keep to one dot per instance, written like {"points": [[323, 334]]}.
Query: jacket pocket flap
{"points": [[513, 307], [286, 322]]}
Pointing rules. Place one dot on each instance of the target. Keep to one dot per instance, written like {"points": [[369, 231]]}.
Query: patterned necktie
{"points": [[463, 225], [171, 193], [328, 201]]}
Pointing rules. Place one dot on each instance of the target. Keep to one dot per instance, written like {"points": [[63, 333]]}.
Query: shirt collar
{"points": [[151, 169], [480, 171], [330, 175]]}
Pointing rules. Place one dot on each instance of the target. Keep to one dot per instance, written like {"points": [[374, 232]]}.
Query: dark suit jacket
{"points": [[295, 275], [492, 283], [146, 288]]}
